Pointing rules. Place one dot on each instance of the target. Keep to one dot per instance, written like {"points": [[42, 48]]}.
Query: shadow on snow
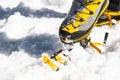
{"points": [[33, 45], [27, 12]]}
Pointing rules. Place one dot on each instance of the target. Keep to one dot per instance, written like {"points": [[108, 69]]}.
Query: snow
{"points": [[27, 26], [20, 37], [62, 5]]}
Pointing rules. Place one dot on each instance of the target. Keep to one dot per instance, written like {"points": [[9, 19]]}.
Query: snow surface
{"points": [[29, 28]]}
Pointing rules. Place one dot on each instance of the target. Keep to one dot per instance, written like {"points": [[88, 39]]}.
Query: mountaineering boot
{"points": [[114, 5], [113, 12], [81, 19]]}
